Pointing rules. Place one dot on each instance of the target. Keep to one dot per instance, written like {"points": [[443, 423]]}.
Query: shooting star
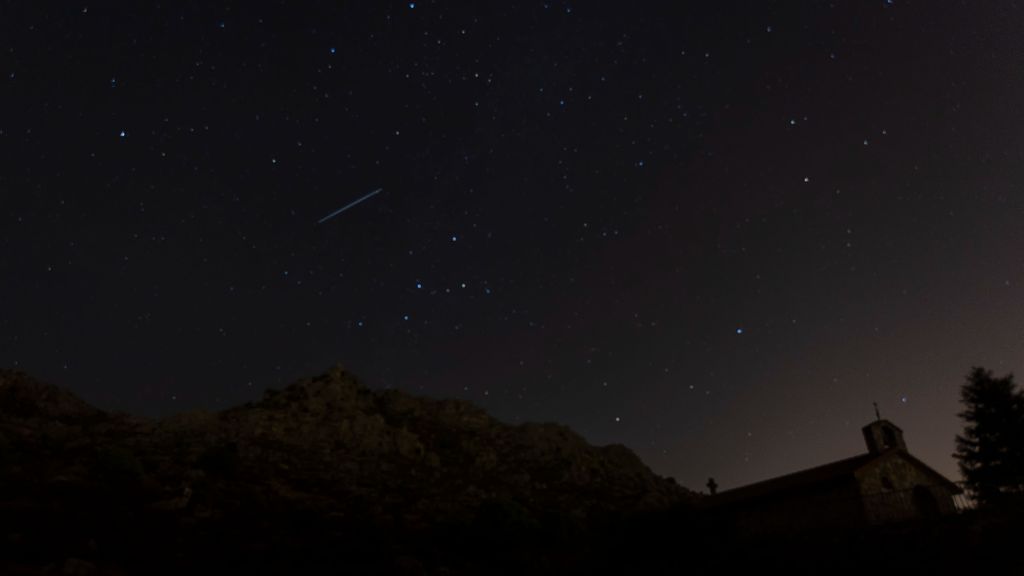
{"points": [[349, 205]]}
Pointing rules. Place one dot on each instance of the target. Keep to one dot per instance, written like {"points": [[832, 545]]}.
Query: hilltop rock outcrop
{"points": [[325, 452]]}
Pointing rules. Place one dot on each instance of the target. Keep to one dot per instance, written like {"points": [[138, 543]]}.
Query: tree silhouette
{"points": [[991, 449]]}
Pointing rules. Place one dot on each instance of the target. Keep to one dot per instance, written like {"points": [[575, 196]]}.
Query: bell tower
{"points": [[882, 435]]}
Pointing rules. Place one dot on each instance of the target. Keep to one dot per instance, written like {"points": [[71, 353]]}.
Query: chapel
{"points": [[884, 485]]}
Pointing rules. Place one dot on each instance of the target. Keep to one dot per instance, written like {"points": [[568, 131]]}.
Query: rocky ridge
{"points": [[326, 449]]}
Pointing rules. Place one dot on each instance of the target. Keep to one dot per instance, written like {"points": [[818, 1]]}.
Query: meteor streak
{"points": [[349, 205]]}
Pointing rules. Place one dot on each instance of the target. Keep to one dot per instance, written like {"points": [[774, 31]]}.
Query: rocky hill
{"points": [[326, 468]]}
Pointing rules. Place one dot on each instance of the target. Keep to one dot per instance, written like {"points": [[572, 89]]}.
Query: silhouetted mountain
{"points": [[23, 398], [323, 465]]}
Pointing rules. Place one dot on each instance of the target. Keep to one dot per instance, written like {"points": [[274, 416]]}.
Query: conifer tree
{"points": [[991, 449]]}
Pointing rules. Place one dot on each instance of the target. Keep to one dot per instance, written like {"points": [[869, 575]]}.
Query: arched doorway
{"points": [[925, 503]]}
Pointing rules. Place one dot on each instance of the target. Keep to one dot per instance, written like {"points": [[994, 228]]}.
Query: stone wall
{"points": [[894, 489]]}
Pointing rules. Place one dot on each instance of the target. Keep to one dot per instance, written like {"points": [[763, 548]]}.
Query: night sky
{"points": [[714, 232]]}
